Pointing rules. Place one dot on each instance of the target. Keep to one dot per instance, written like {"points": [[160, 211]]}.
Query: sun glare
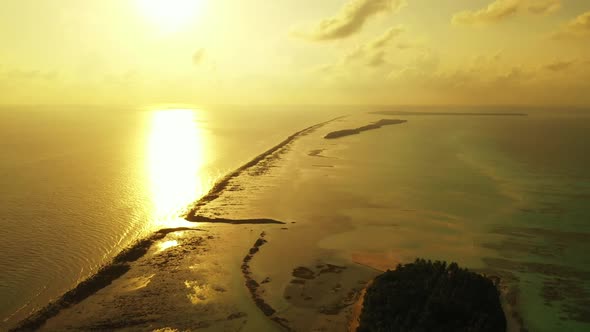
{"points": [[177, 152], [170, 15]]}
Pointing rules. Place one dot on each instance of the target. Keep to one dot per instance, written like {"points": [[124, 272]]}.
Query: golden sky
{"points": [[295, 52]]}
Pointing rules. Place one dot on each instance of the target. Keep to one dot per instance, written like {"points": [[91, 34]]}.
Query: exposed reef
{"points": [[220, 186], [376, 125], [432, 296], [450, 113], [253, 286], [196, 218]]}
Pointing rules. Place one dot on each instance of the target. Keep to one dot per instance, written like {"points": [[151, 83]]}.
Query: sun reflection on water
{"points": [[167, 244], [177, 152], [199, 292]]}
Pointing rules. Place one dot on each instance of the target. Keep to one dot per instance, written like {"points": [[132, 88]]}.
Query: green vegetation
{"points": [[431, 296]]}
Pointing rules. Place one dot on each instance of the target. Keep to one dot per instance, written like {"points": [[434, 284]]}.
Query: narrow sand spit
{"points": [[179, 279]]}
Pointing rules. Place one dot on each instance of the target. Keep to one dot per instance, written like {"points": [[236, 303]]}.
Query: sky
{"points": [[369, 52]]}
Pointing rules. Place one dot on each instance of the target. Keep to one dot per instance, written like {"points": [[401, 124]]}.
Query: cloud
{"points": [[372, 53], [382, 41], [424, 64], [578, 27], [350, 19], [34, 74], [559, 65], [407, 45], [502, 9], [516, 74], [484, 72], [199, 56], [423, 75], [543, 7]]}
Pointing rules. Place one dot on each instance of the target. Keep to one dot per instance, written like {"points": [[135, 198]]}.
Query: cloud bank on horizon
{"points": [[300, 51], [503, 9]]}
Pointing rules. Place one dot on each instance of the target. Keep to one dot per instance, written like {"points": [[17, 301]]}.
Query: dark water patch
{"points": [[355, 131], [565, 195], [551, 208], [526, 246], [537, 241], [316, 153], [553, 234], [330, 268], [547, 269], [303, 273], [570, 295]]}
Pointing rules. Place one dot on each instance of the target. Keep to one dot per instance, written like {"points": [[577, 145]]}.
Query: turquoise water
{"points": [[509, 196]]}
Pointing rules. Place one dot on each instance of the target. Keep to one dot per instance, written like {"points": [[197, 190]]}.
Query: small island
{"points": [[376, 125], [431, 296]]}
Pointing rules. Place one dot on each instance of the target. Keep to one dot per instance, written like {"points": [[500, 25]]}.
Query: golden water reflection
{"points": [[199, 291], [167, 244], [176, 156], [137, 283]]}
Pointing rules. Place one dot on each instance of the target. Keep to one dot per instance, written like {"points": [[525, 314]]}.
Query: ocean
{"points": [[81, 183], [504, 195], [509, 196]]}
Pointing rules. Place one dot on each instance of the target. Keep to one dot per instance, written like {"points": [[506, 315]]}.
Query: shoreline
{"points": [[101, 279], [222, 184], [120, 264]]}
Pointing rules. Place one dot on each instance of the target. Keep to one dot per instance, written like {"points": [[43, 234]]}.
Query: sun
{"points": [[170, 15]]}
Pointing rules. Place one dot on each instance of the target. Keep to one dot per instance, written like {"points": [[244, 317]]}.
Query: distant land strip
{"points": [[450, 113], [376, 125], [220, 186]]}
